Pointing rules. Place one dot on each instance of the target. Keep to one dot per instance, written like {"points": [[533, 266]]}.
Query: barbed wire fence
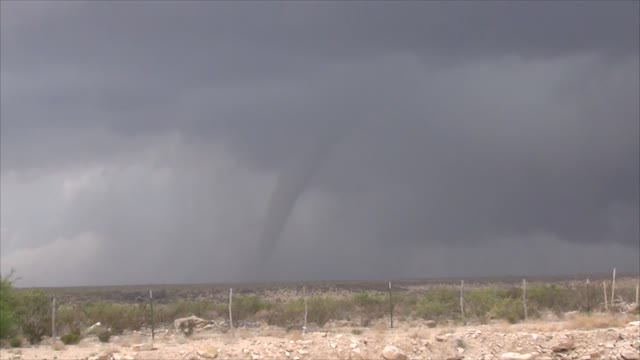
{"points": [[467, 302]]}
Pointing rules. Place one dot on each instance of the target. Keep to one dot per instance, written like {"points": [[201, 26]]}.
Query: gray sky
{"points": [[200, 141]]}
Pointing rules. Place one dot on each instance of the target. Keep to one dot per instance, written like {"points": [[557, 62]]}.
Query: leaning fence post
{"points": [[588, 297], [637, 293], [462, 300], [153, 330], [613, 287], [53, 317], [604, 287], [304, 295], [390, 306], [230, 313], [524, 297]]}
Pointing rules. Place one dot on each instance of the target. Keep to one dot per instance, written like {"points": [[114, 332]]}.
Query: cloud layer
{"points": [[205, 141]]}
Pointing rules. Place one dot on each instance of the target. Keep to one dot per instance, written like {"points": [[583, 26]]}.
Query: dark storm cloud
{"points": [[418, 123]]}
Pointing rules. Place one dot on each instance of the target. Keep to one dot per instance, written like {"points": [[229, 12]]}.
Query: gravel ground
{"points": [[570, 339]]}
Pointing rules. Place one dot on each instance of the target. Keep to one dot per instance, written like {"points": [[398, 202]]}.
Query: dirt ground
{"points": [[594, 337]]}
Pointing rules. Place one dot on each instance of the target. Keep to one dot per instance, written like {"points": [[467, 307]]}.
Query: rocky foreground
{"points": [[418, 340]]}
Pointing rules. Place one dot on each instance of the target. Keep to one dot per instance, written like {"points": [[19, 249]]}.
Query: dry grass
{"points": [[379, 330], [542, 326], [599, 321], [577, 322], [419, 334], [274, 332], [295, 335]]}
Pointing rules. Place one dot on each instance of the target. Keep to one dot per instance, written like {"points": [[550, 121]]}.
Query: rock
{"points": [[128, 357], [565, 346], [58, 345], [440, 338], [107, 355], [194, 321], [634, 323], [515, 356], [142, 347], [430, 323], [95, 328], [207, 354], [391, 352], [303, 352], [460, 350], [457, 357], [630, 355], [333, 345]]}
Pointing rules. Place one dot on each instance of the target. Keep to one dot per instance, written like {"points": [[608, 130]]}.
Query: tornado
{"points": [[291, 185]]}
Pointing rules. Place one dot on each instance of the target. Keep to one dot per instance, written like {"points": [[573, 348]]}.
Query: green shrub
{"points": [[69, 318], [165, 313], [508, 309], [34, 313], [371, 306], [71, 338], [368, 300], [8, 320], [404, 305], [321, 309], [15, 342], [187, 328], [287, 314], [551, 297], [118, 317], [104, 336], [244, 307], [439, 304], [479, 302]]}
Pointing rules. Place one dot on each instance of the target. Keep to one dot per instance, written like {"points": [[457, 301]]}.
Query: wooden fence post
{"points": [[304, 294], [588, 297], [604, 287], [53, 317], [230, 312], [462, 300], [637, 293], [524, 298], [390, 306], [153, 329], [613, 287]]}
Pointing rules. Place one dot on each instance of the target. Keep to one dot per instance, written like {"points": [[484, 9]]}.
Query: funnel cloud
{"points": [[291, 184]]}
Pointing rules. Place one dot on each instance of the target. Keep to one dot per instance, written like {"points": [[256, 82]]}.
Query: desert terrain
{"points": [[568, 319], [602, 336]]}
